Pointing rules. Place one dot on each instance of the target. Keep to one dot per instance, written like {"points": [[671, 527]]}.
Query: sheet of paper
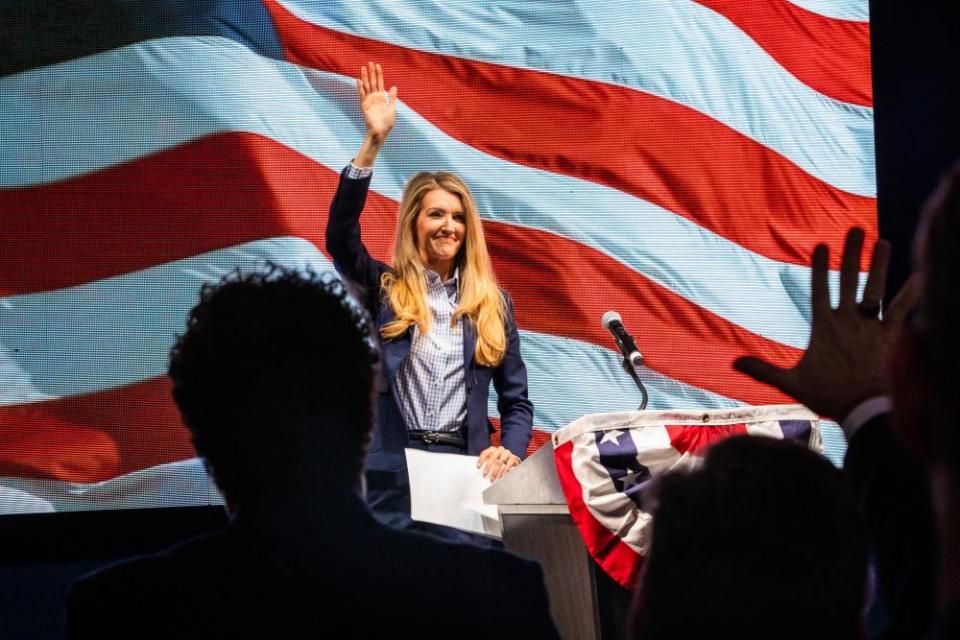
{"points": [[447, 489]]}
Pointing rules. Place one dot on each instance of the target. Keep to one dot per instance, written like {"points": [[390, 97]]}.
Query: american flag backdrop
{"points": [[675, 160]]}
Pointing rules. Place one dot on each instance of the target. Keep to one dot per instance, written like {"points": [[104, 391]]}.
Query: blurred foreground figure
{"points": [[763, 541], [273, 377], [905, 467], [926, 387]]}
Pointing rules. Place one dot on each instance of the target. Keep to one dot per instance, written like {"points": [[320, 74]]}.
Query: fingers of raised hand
{"points": [[372, 76], [364, 83], [819, 286], [850, 268], [371, 80], [361, 88], [876, 280], [763, 371]]}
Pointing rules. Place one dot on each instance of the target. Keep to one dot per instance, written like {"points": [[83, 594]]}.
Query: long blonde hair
{"points": [[480, 298]]}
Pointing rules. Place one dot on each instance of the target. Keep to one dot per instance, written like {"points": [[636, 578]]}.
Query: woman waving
{"points": [[446, 330]]}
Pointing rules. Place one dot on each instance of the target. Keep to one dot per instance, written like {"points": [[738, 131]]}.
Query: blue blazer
{"points": [[355, 264]]}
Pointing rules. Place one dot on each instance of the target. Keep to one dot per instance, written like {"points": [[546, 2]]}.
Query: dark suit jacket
{"points": [[509, 377], [895, 501], [313, 568]]}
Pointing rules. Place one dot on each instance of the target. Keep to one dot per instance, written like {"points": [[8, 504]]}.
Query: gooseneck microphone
{"points": [[632, 359], [614, 324]]}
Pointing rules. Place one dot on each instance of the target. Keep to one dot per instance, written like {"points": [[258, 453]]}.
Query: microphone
{"points": [[614, 324]]}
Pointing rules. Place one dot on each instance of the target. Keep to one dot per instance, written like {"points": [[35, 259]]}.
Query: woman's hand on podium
{"points": [[494, 462]]}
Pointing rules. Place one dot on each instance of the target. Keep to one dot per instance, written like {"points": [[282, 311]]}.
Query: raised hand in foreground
{"points": [[847, 359]]}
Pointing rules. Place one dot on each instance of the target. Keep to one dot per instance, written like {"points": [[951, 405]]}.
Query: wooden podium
{"points": [[584, 601]]}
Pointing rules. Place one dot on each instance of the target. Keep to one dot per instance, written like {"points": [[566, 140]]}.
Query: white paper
{"points": [[447, 489]]}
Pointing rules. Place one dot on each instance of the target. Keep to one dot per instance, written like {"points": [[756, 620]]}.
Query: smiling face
{"points": [[440, 231]]}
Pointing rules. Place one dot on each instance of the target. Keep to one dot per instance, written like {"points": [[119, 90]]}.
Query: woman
{"points": [[445, 328]]}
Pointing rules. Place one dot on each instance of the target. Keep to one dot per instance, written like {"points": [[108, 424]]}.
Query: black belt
{"points": [[438, 437]]}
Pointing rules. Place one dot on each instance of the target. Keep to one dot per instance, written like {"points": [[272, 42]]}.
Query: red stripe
{"points": [[694, 439], [538, 439], [93, 437], [831, 56], [231, 188], [98, 436], [563, 288], [619, 561], [650, 147], [214, 192]]}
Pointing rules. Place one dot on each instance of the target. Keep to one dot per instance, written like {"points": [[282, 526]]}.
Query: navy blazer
{"points": [[355, 264]]}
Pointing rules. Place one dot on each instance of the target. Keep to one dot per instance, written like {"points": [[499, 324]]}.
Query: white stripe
{"points": [[88, 127], [678, 416], [177, 484], [679, 50], [18, 501], [119, 331], [853, 10], [569, 378]]}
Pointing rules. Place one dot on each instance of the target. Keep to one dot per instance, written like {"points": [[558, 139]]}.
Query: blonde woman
{"points": [[445, 328]]}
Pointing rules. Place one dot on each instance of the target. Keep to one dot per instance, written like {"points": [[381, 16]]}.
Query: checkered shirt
{"points": [[358, 173], [431, 389]]}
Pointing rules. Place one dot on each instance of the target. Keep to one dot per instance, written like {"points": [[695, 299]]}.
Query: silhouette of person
{"points": [[274, 378], [763, 541]]}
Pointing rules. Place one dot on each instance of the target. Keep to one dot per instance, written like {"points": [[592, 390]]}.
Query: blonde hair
{"points": [[480, 298]]}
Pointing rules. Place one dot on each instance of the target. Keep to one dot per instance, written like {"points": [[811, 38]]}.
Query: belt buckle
{"points": [[431, 437]]}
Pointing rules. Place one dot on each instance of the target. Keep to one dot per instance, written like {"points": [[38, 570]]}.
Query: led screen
{"points": [[673, 160]]}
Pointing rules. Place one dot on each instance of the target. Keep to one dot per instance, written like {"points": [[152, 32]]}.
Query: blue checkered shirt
{"points": [[431, 390], [358, 173]]}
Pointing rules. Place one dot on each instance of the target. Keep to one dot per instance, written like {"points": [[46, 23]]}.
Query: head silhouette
{"points": [[273, 377], [925, 373], [763, 541]]}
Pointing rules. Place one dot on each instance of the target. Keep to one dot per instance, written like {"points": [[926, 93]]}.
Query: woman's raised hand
{"points": [[379, 110]]}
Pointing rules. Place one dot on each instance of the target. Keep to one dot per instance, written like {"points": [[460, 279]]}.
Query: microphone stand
{"points": [[629, 368]]}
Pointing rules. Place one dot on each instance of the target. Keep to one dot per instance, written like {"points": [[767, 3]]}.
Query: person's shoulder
{"points": [[150, 570], [118, 581], [486, 580], [108, 602], [476, 563], [115, 600]]}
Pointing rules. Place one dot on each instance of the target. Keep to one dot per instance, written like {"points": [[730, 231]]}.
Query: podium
{"points": [[585, 603], [614, 453]]}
